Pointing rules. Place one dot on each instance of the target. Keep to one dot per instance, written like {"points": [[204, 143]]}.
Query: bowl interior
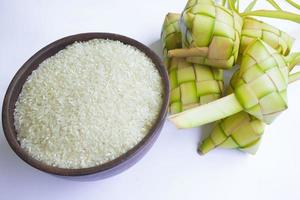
{"points": [[107, 169]]}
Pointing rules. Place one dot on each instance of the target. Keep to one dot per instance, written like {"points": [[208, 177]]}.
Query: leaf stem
{"points": [[274, 14], [250, 6], [274, 4], [294, 77], [293, 4], [231, 5], [293, 59], [223, 2]]}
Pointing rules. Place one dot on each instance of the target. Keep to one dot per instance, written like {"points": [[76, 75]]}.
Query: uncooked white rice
{"points": [[88, 104]]}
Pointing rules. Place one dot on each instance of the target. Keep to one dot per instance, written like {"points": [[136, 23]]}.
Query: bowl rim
{"points": [[122, 161]]}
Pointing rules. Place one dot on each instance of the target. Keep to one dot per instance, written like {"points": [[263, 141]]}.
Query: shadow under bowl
{"points": [[110, 168]]}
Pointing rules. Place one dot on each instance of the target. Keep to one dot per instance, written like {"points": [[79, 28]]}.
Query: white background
{"points": [[172, 169]]}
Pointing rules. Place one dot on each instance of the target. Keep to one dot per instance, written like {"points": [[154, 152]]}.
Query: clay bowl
{"points": [[102, 171]]}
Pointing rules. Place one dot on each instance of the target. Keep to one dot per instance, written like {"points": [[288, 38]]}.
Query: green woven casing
{"points": [[193, 85], [241, 131], [170, 35], [260, 85], [208, 25], [277, 39]]}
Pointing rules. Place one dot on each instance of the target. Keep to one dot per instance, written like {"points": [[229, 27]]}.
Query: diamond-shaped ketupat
{"points": [[277, 39], [210, 34], [265, 89], [262, 95], [240, 131], [217, 36], [170, 35], [191, 84], [194, 85], [255, 29]]}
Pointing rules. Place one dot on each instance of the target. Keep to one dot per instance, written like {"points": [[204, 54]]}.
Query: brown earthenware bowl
{"points": [[110, 168]]}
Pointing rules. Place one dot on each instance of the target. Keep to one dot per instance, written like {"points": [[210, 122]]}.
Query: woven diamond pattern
{"points": [[170, 35], [193, 85], [261, 83], [206, 24], [240, 131], [277, 39]]}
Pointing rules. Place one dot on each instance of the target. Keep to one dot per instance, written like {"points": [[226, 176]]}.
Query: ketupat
{"points": [[260, 90], [239, 131], [277, 39], [253, 29], [210, 34], [170, 35], [191, 84], [243, 131]]}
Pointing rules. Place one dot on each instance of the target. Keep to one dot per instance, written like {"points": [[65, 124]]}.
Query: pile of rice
{"points": [[88, 104]]}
